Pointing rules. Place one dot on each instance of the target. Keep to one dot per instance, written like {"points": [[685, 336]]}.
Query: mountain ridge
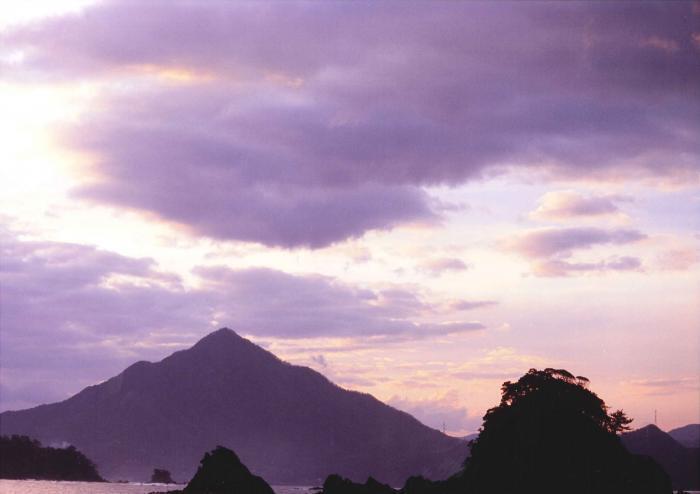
{"points": [[687, 435], [289, 423], [681, 463]]}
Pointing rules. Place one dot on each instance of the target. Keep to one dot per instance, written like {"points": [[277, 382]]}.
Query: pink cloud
{"points": [[551, 242], [566, 205], [556, 267], [443, 265]]}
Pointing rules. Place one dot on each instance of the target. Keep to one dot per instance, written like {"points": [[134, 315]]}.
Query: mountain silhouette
{"points": [[682, 464], [288, 423], [688, 435]]}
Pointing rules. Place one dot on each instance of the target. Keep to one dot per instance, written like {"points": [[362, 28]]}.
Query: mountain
{"points": [[681, 463], [470, 437], [288, 423], [688, 435]]}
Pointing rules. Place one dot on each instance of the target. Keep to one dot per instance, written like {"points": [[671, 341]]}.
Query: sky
{"points": [[418, 200]]}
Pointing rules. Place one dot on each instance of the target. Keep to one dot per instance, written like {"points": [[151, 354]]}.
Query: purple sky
{"points": [[419, 200]]}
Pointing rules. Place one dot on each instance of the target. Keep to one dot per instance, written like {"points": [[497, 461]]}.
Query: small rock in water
{"points": [[221, 472]]}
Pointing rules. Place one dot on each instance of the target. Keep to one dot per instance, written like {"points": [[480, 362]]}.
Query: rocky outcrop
{"points": [[221, 472], [161, 476]]}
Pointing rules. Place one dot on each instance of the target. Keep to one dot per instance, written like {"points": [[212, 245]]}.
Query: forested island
{"points": [[549, 434], [24, 458]]}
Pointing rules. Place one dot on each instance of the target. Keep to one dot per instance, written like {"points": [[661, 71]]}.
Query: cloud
{"points": [[353, 381], [679, 259], [436, 267], [561, 242], [565, 205], [472, 304], [63, 303], [555, 267], [438, 412], [550, 250], [53, 286], [105, 311], [17, 392], [319, 360], [301, 127], [666, 386], [669, 46], [265, 302], [452, 327], [499, 364], [472, 375]]}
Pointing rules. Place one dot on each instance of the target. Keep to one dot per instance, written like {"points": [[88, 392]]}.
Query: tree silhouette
{"points": [[161, 476], [619, 422], [24, 458], [551, 434]]}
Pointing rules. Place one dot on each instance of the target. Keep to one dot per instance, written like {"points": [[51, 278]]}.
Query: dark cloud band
{"points": [[305, 125]]}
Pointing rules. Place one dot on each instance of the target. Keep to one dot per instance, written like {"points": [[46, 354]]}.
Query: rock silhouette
{"points": [[221, 472], [287, 423], [338, 485], [161, 476], [25, 458]]}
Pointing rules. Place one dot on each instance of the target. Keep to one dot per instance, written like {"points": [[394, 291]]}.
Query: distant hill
{"points": [[681, 463], [688, 435], [289, 424], [25, 458], [470, 437]]}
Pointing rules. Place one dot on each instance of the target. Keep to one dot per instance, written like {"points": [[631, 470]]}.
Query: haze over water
{"points": [[52, 487]]}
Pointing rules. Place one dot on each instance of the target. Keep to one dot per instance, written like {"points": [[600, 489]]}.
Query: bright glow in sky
{"points": [[419, 210]]}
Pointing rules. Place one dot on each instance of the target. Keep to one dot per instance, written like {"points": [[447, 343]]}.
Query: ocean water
{"points": [[53, 487]]}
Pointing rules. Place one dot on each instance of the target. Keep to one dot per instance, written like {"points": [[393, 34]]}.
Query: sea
{"points": [[54, 487]]}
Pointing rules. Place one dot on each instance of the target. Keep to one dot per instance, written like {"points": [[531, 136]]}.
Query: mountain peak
{"points": [[219, 337], [651, 428], [228, 345], [678, 461], [223, 333]]}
